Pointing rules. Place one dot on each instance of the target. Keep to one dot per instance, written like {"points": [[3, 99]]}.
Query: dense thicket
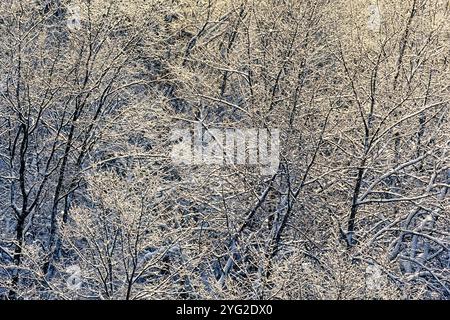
{"points": [[93, 207]]}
